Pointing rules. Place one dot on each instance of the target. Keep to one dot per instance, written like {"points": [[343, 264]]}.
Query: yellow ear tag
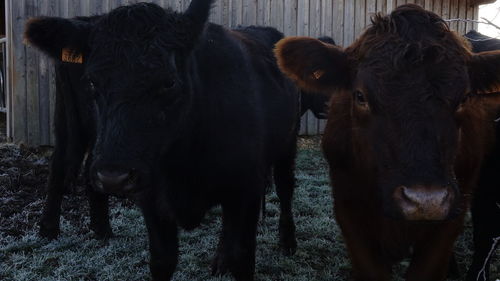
{"points": [[68, 55], [318, 73]]}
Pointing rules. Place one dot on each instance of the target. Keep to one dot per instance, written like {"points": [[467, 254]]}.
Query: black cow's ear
{"points": [[62, 39], [197, 13], [312, 64], [484, 72]]}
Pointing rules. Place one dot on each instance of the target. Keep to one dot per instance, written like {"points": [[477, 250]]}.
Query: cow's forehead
{"points": [[141, 24]]}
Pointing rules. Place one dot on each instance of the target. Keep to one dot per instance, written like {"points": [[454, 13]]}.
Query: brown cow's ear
{"points": [[62, 39], [484, 72], [312, 64]]}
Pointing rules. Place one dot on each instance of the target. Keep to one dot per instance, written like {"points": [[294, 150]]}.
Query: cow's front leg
{"points": [[236, 251], [163, 243], [99, 206]]}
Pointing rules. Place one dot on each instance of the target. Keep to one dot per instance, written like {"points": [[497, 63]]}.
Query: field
{"points": [[76, 255]]}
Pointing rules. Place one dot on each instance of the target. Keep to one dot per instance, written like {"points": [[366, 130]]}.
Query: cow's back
{"points": [[248, 104]]}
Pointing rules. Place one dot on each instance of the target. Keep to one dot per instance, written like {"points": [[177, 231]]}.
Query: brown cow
{"points": [[405, 137]]}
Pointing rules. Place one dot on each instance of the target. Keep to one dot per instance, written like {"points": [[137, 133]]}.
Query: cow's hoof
{"points": [[244, 278], [288, 243], [219, 266], [102, 232], [47, 231], [289, 247]]}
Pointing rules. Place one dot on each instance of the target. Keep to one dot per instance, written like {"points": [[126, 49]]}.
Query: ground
{"points": [[76, 255]]}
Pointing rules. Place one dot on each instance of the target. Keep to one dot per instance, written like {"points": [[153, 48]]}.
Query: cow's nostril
{"points": [[110, 178], [424, 202]]}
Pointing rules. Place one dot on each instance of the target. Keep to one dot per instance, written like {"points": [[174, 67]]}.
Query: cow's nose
{"points": [[426, 203], [115, 181]]}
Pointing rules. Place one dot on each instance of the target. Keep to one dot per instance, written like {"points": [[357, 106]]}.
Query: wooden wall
{"points": [[31, 75]]}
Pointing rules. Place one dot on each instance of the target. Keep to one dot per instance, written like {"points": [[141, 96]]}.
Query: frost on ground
{"points": [[77, 255]]}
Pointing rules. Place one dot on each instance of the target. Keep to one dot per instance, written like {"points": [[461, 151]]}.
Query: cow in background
{"points": [[75, 132], [485, 207], [189, 115], [405, 136]]}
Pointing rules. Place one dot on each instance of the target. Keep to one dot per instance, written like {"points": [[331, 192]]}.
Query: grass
{"points": [[76, 255]]}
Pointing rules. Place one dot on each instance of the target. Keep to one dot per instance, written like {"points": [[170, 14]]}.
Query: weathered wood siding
{"points": [[31, 76]]}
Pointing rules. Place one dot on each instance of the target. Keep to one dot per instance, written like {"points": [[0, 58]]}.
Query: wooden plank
{"points": [[382, 6], [216, 13], [303, 18], [476, 17], [349, 17], [46, 72], [277, 12], [462, 14], [454, 14], [391, 5], [226, 8], [428, 4], [400, 2], [438, 6], [95, 7], [326, 18], [250, 12], [371, 9], [470, 15], [290, 18], [267, 12], [236, 13], [421, 3], [32, 89], [315, 18], [338, 22], [84, 8], [445, 10], [63, 8], [74, 8], [9, 61], [360, 17], [19, 98]]}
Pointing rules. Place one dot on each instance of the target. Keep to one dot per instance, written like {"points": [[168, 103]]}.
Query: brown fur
{"points": [[304, 69], [412, 55]]}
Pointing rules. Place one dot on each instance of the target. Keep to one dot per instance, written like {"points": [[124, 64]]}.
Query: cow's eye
{"points": [[360, 98], [92, 86]]}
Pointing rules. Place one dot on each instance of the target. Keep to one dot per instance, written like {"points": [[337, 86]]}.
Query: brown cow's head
{"points": [[406, 81]]}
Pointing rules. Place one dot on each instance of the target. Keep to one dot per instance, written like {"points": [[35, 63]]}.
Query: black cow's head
{"points": [[404, 85], [137, 61]]}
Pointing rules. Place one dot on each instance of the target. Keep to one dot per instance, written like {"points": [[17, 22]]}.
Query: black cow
{"points": [[190, 115], [75, 119], [316, 102], [485, 207]]}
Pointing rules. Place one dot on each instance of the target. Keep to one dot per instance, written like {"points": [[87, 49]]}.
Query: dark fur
{"points": [[485, 202], [399, 116], [198, 114]]}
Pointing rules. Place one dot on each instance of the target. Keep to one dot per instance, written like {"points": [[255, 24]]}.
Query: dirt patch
{"points": [[23, 175], [23, 182]]}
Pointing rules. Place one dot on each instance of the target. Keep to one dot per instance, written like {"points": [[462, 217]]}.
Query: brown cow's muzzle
{"points": [[425, 203]]}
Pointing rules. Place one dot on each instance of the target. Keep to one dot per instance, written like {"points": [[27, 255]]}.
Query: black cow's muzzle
{"points": [[119, 181]]}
